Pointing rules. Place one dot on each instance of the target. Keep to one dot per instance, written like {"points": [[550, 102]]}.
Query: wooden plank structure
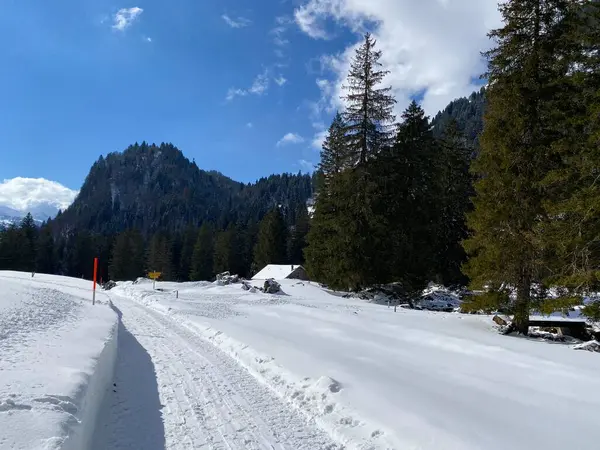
{"points": [[569, 327]]}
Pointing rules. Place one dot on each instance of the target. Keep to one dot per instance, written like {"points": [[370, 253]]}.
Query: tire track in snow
{"points": [[209, 401]]}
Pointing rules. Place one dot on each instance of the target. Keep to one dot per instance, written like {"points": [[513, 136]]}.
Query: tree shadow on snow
{"points": [[131, 416]]}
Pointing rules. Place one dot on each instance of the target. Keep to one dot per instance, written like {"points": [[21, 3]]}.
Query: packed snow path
{"points": [[174, 390]]}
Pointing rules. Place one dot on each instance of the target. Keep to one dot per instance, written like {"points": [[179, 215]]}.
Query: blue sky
{"points": [[246, 88]]}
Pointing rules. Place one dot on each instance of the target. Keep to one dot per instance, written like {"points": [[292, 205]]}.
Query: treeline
{"points": [[191, 255], [398, 203], [393, 199]]}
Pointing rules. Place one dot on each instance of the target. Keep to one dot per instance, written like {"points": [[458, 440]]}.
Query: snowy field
{"points": [[56, 359], [223, 368], [375, 379]]}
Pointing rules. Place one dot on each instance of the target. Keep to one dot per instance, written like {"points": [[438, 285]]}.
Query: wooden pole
{"points": [[95, 275]]}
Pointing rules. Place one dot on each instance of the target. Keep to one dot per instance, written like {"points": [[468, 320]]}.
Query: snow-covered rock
{"points": [[109, 285], [271, 286], [590, 346], [439, 298], [225, 278]]}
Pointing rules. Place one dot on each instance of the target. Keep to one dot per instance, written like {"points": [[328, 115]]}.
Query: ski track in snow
{"points": [[174, 390]]}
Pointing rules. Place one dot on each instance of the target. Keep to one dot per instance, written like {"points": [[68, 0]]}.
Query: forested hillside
{"points": [[156, 188], [468, 115], [150, 208]]}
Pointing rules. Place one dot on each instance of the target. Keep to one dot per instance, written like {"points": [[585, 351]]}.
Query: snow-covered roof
{"points": [[276, 271]]}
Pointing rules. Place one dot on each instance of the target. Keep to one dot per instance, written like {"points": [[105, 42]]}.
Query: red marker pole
{"points": [[95, 274]]}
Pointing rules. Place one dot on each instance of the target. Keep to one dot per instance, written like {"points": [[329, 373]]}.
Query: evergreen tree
{"points": [[516, 153], [176, 244], [127, 260], [346, 236], [297, 237], [159, 256], [46, 256], [570, 235], [334, 157], [368, 115], [342, 238], [80, 254], [202, 265], [28, 245], [270, 247], [406, 202], [224, 243], [455, 192], [11, 239], [185, 260], [240, 258]]}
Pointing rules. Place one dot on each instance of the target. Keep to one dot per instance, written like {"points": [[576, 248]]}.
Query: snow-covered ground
{"points": [[369, 377], [56, 358], [220, 367]]}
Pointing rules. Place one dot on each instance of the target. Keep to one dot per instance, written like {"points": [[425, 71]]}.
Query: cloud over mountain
{"points": [[43, 198]]}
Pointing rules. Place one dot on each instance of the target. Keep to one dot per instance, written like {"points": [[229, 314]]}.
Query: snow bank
{"points": [[57, 356]]}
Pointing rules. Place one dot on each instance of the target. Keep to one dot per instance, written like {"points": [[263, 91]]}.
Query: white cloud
{"points": [[234, 92], [280, 80], [125, 17], [431, 47], [260, 85], [41, 197], [306, 165], [148, 39], [319, 138], [239, 22], [290, 138], [278, 32]]}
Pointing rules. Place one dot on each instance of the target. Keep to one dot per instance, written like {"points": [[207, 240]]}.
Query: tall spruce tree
{"points": [[406, 202], [270, 247], [346, 236], [515, 155], [571, 233], [202, 264], [368, 115]]}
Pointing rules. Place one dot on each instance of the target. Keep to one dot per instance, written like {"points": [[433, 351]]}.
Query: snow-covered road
{"points": [[174, 390], [375, 379]]}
